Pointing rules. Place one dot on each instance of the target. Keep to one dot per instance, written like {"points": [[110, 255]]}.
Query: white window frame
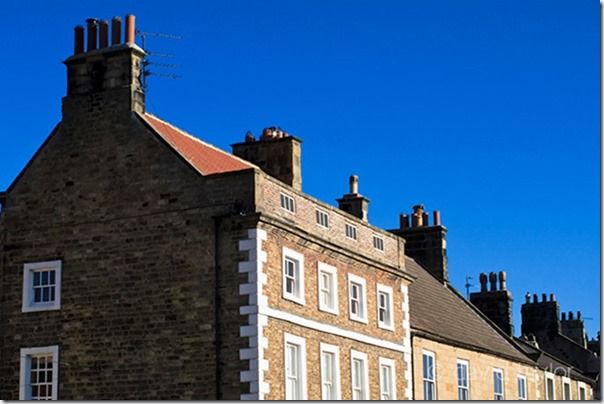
{"points": [[299, 259], [378, 243], [25, 371], [389, 325], [321, 214], [465, 363], [28, 303], [581, 386], [353, 231], [333, 273], [363, 298], [495, 393], [287, 202], [335, 351], [301, 343], [550, 376], [566, 381], [523, 379], [433, 380], [356, 355], [391, 364]]}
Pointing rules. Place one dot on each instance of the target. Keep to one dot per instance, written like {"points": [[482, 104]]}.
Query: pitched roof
{"points": [[438, 311], [205, 158]]}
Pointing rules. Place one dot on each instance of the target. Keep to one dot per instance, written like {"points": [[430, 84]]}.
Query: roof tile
{"points": [[204, 157]]}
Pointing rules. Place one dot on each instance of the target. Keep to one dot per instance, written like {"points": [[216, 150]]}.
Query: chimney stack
{"points": [[104, 68], [574, 328], [277, 153], [426, 244], [353, 202], [495, 303], [540, 318]]}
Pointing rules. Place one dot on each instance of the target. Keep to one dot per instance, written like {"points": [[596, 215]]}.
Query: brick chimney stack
{"points": [[353, 202], [426, 243], [495, 302], [277, 153], [109, 72]]}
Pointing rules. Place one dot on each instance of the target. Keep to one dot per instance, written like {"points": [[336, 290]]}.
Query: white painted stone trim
{"points": [[407, 356], [332, 329], [254, 329]]}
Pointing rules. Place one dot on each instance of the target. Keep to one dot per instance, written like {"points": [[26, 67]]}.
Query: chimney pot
{"points": [[483, 282], [535, 300], [417, 220], [493, 281], [116, 30], [404, 221], [130, 28], [544, 297], [354, 184], [527, 297], [570, 315], [92, 33], [502, 279], [436, 216], [578, 315], [425, 218], [552, 297], [78, 42], [563, 316], [103, 34]]}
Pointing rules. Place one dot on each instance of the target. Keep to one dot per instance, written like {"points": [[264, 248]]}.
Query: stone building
{"points": [[141, 262]]}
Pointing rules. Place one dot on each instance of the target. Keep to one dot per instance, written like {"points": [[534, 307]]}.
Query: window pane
{"points": [[37, 295], [36, 278], [45, 294], [45, 278], [52, 277]]}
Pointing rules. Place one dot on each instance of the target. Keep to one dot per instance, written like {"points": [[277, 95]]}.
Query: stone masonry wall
{"points": [[480, 372], [132, 224]]}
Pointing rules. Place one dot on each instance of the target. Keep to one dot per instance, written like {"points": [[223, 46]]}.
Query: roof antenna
{"points": [[146, 72], [468, 285]]}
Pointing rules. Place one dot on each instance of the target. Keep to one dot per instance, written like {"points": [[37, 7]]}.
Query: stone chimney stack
{"points": [[495, 302], [540, 318], [574, 328], [104, 78], [353, 202], [425, 243], [277, 153]]}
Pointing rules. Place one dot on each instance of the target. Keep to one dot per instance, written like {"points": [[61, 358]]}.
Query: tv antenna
{"points": [[468, 285], [146, 71]]}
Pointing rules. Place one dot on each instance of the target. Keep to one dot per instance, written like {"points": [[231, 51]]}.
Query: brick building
{"points": [[141, 262]]}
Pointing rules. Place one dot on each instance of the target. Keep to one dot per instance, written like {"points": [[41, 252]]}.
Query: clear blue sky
{"points": [[485, 110]]}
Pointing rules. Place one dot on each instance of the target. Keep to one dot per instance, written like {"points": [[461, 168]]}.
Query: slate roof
{"points": [[205, 158], [550, 362], [439, 312]]}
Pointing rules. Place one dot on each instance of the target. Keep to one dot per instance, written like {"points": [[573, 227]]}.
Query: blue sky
{"points": [[485, 110]]}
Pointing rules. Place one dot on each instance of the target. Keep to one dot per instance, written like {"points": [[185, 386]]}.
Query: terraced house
{"points": [[141, 262]]}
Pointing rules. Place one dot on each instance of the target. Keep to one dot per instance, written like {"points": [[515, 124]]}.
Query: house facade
{"points": [[141, 262]]}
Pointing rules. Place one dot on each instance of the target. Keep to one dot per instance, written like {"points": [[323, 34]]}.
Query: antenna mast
{"points": [[146, 72]]}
